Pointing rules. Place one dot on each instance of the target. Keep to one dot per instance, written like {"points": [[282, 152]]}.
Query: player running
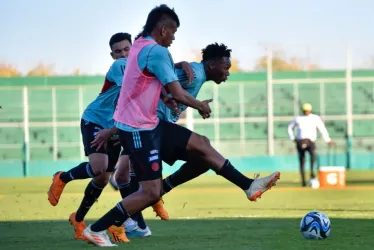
{"points": [[102, 160], [98, 115], [201, 72], [142, 134], [215, 67]]}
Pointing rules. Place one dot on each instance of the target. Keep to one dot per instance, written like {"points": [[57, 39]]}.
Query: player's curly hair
{"points": [[215, 51], [158, 14], [118, 37]]}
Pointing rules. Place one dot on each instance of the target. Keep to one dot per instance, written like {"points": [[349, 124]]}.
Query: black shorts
{"points": [[147, 149], [89, 130], [174, 142]]}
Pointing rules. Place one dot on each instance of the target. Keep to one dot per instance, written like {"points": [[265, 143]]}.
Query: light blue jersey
{"points": [[156, 60], [101, 110], [169, 115]]}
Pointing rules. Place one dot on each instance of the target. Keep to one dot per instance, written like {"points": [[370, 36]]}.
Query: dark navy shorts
{"points": [[89, 131], [147, 149]]}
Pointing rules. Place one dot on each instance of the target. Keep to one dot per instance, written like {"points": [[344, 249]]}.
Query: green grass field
{"points": [[208, 213]]}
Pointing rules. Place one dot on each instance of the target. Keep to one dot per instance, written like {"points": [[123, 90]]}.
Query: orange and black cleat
{"points": [[56, 189]]}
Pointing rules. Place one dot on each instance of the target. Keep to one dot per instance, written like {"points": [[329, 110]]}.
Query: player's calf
{"points": [[91, 194], [112, 180], [97, 165], [200, 149], [126, 189], [188, 171]]}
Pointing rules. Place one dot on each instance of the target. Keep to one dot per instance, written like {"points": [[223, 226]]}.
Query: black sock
{"points": [[188, 171], [166, 185], [128, 188], [233, 175], [82, 171], [124, 189], [116, 216], [91, 194], [138, 217]]}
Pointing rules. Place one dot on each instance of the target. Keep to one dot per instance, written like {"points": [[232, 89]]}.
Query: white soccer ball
{"points": [[315, 225], [314, 183]]}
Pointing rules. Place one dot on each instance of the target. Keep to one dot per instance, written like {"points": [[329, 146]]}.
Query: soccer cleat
{"points": [[118, 234], [139, 233], [112, 181], [99, 239], [130, 225], [56, 188], [261, 185], [79, 227], [160, 211]]}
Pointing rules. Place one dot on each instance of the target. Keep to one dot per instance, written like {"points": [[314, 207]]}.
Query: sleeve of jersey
{"points": [[116, 71], [290, 129], [161, 64]]}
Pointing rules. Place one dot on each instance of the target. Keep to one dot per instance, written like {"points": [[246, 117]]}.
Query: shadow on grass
{"points": [[360, 182], [363, 182], [233, 234]]}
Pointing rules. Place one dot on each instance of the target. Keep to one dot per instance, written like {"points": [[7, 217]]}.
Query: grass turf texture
{"points": [[208, 213]]}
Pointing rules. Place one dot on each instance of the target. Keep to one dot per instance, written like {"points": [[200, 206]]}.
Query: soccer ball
{"points": [[314, 183], [315, 225]]}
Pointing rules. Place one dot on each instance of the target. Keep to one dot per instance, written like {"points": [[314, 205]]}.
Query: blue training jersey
{"points": [[169, 115], [101, 110]]}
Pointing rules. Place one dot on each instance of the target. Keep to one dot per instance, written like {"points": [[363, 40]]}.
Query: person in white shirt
{"points": [[306, 126]]}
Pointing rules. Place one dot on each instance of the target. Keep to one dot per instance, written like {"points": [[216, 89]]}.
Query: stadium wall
{"points": [[252, 159], [259, 164]]}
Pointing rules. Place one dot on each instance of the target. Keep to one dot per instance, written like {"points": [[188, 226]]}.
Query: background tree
{"points": [[76, 72], [41, 70], [281, 63], [7, 70]]}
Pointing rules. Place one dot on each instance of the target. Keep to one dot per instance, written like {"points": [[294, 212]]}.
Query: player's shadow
{"points": [[232, 234]]}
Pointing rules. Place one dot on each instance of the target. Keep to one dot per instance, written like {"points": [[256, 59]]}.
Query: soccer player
{"points": [[214, 66], [201, 72], [98, 115], [142, 134]]}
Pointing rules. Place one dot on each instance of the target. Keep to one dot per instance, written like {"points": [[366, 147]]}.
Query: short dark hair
{"points": [[215, 51], [156, 15], [118, 37]]}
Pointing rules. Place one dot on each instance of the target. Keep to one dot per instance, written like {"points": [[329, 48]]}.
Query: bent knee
{"points": [[99, 171], [153, 195], [122, 177], [122, 174], [102, 179], [98, 163], [198, 143]]}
